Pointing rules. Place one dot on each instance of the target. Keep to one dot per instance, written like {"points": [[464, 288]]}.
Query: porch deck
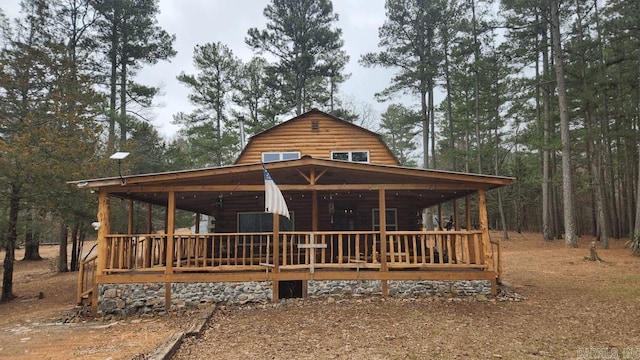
{"points": [[328, 255]]}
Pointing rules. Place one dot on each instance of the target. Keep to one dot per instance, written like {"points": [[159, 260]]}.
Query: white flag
{"points": [[273, 199]]}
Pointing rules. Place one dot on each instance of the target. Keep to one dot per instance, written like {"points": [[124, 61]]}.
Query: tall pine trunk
{"points": [[10, 246], [547, 222], [567, 182], [424, 111], [62, 251], [76, 248], [636, 226], [32, 243]]}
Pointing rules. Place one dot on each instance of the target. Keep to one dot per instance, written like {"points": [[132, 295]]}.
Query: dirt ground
{"points": [[574, 309], [34, 328]]}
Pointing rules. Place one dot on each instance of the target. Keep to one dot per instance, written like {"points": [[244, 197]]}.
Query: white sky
{"points": [[197, 22]]}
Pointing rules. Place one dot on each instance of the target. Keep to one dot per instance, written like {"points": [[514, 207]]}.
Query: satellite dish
{"points": [[119, 155]]}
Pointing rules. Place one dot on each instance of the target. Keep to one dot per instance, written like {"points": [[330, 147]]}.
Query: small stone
{"points": [[331, 300]]}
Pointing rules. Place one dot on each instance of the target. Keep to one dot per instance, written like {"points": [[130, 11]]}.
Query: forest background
{"points": [[547, 92]]}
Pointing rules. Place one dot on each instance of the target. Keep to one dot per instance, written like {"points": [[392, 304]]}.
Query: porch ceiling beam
{"points": [[284, 187]]}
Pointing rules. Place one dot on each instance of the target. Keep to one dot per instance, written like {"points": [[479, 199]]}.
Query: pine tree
{"points": [[410, 43], [209, 126], [300, 35], [130, 38]]}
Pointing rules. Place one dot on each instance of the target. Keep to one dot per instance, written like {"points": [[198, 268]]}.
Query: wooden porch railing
{"points": [[298, 250], [436, 249], [86, 277], [330, 249]]}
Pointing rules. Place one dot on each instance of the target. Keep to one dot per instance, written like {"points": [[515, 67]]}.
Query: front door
{"points": [[345, 217]]}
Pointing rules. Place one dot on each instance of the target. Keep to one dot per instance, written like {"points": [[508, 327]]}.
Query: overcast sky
{"points": [[197, 22]]}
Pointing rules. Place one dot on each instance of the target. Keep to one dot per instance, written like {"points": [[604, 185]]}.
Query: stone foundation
{"points": [[124, 299]]}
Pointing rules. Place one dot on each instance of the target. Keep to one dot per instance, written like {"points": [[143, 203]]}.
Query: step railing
{"points": [[86, 279]]}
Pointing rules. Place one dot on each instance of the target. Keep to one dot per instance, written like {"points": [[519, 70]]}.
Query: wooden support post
{"points": [[455, 215], [171, 224], [382, 213], [171, 216], [103, 230], [167, 296], [314, 226], [149, 223], [486, 239], [148, 249], [467, 209], [314, 211], [130, 217], [276, 256], [104, 215], [197, 223]]}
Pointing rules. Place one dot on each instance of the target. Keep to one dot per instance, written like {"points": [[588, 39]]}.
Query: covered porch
{"points": [[349, 222]]}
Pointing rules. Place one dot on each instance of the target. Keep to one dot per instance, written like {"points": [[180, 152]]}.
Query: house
{"points": [[355, 215]]}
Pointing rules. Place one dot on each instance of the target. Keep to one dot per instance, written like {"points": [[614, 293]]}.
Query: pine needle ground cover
{"points": [[572, 308]]}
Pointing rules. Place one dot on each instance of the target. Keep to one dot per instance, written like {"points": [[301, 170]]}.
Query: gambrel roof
{"points": [[317, 134]]}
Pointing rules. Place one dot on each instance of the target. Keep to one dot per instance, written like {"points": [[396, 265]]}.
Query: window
{"points": [[278, 156], [353, 156], [263, 222], [392, 219]]}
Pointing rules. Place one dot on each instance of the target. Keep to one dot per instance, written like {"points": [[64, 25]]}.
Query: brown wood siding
{"points": [[361, 203], [332, 135]]}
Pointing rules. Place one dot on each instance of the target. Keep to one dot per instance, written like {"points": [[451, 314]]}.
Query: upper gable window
{"points": [[278, 156], [354, 156]]}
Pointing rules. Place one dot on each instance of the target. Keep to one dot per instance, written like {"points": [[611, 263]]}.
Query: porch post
{"points": [[171, 216], [104, 210], [276, 256], [467, 212], [314, 211], [382, 213], [130, 218], [486, 239], [149, 208], [456, 226], [148, 246], [197, 223], [314, 227]]}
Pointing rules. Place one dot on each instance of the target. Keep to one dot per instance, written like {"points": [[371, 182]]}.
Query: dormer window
{"points": [[279, 156], [353, 156]]}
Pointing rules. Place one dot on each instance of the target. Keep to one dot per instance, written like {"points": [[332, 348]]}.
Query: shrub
{"points": [[634, 244]]}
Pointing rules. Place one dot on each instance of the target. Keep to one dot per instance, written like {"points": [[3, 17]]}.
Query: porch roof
{"points": [[197, 189]]}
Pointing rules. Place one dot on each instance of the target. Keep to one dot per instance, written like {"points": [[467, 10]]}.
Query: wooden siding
{"points": [[352, 211], [332, 135]]}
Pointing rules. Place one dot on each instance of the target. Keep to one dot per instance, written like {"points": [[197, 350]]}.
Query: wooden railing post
{"points": [[382, 213]]}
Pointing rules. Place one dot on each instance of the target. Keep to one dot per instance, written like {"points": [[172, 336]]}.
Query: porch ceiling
{"points": [[196, 190]]}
